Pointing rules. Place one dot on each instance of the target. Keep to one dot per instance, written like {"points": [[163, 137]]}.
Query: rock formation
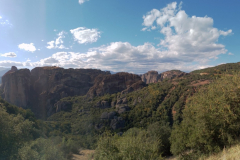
{"points": [[16, 87], [43, 87], [153, 76], [115, 83], [150, 77]]}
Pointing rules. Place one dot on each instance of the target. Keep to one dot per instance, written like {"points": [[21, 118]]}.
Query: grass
{"points": [[232, 153]]}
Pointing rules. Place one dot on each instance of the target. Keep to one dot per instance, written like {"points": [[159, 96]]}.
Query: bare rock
{"points": [[117, 123], [123, 109], [44, 86], [113, 103], [104, 115], [63, 106], [114, 83]]}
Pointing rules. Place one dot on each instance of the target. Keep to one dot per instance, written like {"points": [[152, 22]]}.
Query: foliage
{"points": [[53, 148], [211, 119], [14, 132], [135, 144], [228, 68]]}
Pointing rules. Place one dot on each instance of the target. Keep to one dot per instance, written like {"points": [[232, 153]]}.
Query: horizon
{"points": [[119, 36]]}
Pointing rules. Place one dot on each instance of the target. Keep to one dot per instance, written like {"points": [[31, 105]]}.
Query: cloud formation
{"points": [[9, 54], [27, 47], [58, 43], [119, 56], [84, 35], [186, 37], [188, 44], [4, 22], [82, 1]]}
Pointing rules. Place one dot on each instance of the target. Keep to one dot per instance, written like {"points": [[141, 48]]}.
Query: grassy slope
{"points": [[232, 153]]}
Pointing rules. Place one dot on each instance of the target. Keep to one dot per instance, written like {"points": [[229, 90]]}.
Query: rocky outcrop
{"points": [[115, 83], [153, 76], [43, 87], [117, 123], [171, 74], [150, 77], [16, 87], [63, 106], [102, 105]]}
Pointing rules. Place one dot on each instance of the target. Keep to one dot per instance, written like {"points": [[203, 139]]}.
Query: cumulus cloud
{"points": [[9, 54], [188, 44], [120, 56], [10, 63], [58, 43], [82, 1], [186, 37], [84, 35], [27, 47]]}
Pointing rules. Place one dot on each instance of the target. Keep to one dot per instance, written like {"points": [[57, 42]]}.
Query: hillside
{"points": [[197, 112]]}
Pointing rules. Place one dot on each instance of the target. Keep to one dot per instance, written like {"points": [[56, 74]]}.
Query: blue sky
{"points": [[131, 36]]}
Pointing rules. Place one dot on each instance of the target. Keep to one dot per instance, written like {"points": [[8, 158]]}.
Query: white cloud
{"points": [[50, 45], [231, 54], [189, 44], [27, 47], [121, 56], [84, 35], [10, 63], [186, 37], [153, 27], [9, 54], [4, 22], [82, 1], [58, 43]]}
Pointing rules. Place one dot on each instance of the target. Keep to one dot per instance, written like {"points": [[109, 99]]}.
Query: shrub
{"points": [[211, 118], [135, 144]]}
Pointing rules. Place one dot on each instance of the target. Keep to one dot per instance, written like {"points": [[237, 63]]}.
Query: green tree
{"points": [[211, 118]]}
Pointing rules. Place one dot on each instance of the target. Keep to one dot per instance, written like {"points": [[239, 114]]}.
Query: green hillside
{"points": [[192, 116]]}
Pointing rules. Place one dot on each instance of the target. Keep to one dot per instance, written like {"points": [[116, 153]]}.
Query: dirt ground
{"points": [[83, 155]]}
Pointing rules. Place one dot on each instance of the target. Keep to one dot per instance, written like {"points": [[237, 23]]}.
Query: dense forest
{"points": [[189, 117]]}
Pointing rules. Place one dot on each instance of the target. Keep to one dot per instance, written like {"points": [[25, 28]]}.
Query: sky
{"points": [[119, 35]]}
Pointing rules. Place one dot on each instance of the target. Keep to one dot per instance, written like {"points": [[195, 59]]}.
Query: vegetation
{"points": [[191, 117], [211, 119], [23, 137]]}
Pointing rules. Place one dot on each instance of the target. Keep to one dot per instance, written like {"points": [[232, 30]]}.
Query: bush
{"points": [[135, 144], [211, 118]]}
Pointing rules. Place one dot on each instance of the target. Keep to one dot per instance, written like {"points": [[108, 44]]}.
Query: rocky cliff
{"points": [[153, 76], [119, 82], [41, 88], [16, 87]]}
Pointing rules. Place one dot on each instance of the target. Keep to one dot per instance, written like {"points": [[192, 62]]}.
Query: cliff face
{"points": [[41, 88], [153, 76], [16, 87], [150, 77], [115, 83]]}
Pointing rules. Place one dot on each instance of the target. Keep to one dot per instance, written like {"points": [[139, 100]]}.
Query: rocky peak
{"points": [[13, 69], [43, 87], [150, 77], [115, 83], [16, 87], [153, 76]]}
